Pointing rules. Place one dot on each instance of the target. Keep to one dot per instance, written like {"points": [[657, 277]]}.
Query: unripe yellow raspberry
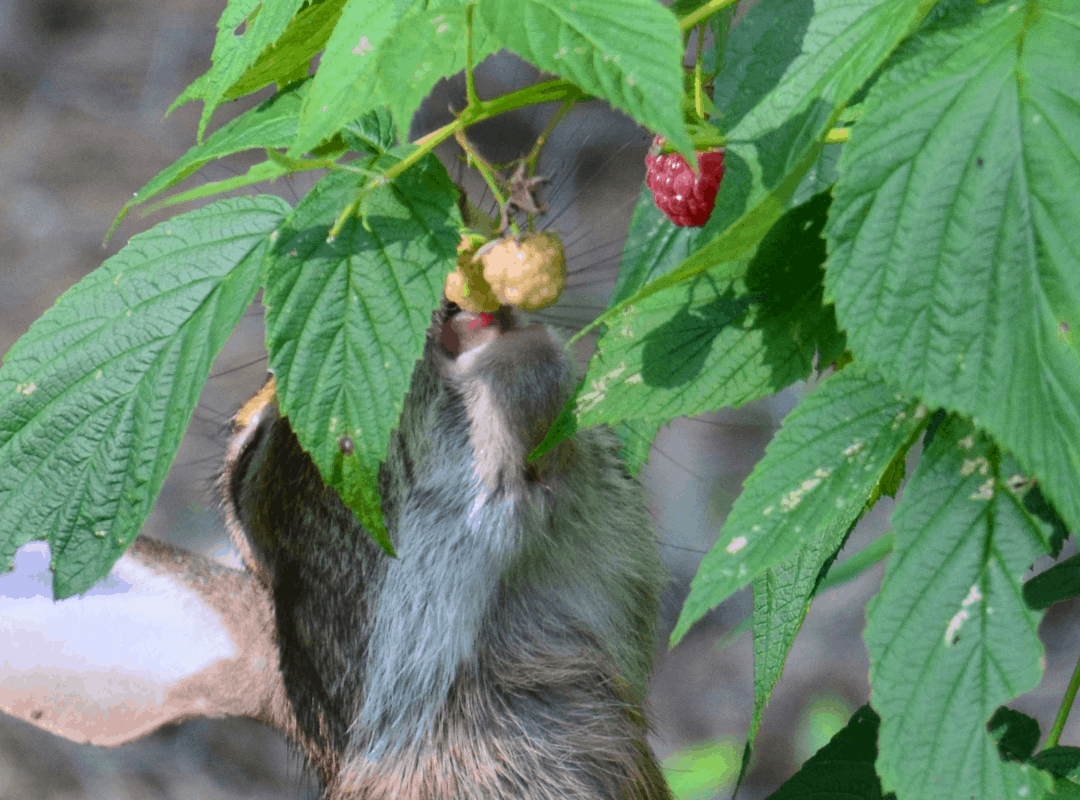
{"points": [[466, 285], [469, 294], [527, 271]]}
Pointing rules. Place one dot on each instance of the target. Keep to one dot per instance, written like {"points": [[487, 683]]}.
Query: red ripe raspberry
{"points": [[685, 199]]}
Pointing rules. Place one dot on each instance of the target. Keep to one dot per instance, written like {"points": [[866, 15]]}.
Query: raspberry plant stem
{"points": [[534, 154], [484, 168], [699, 101], [703, 13], [538, 145], [470, 83], [1066, 707], [303, 164], [549, 91]]}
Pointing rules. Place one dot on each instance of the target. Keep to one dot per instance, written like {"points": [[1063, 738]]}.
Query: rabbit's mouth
{"points": [[465, 330]]}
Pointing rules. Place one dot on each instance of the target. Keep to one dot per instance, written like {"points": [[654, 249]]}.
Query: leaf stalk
{"points": [[1066, 707], [549, 91], [703, 13]]}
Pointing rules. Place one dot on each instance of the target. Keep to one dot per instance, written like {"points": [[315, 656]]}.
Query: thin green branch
{"points": [[433, 140], [1066, 707], [699, 89], [470, 82], [486, 171], [534, 154], [703, 13], [549, 91]]}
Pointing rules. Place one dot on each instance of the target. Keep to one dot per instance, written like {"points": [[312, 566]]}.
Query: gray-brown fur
{"points": [[505, 652]]}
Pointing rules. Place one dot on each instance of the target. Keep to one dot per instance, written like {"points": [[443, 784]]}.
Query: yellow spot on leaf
{"points": [[952, 632], [854, 449]]}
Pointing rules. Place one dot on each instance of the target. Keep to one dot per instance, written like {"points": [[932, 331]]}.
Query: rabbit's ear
{"points": [[167, 636]]}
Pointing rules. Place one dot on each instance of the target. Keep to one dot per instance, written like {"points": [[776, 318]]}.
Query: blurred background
{"points": [[84, 85]]}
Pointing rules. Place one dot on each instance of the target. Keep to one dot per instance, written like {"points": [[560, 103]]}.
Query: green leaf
{"points": [[391, 54], [271, 124], [285, 62], [759, 55], [891, 478], [781, 601], [637, 438], [1035, 503], [954, 261], [821, 175], [813, 482], [653, 247], [949, 637], [700, 770], [373, 132], [791, 68], [712, 58], [94, 399], [289, 58], [775, 143], [347, 82], [846, 761], [257, 173], [1016, 734], [628, 52], [245, 29], [1058, 583], [430, 45], [714, 343], [1061, 762], [345, 319], [1066, 789], [196, 90], [1064, 762]]}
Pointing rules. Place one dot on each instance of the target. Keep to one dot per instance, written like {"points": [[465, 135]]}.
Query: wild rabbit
{"points": [[503, 654]]}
